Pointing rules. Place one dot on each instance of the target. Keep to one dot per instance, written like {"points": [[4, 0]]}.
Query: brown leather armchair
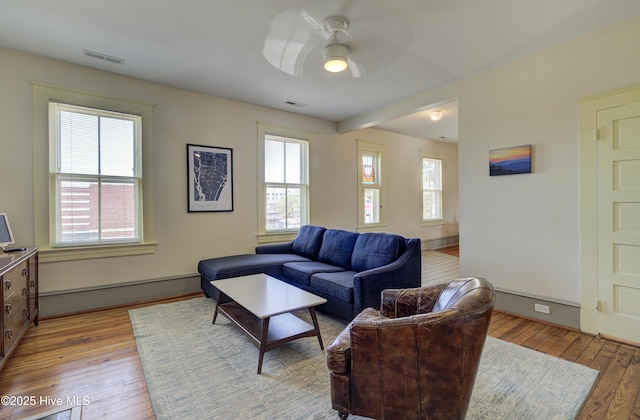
{"points": [[416, 358]]}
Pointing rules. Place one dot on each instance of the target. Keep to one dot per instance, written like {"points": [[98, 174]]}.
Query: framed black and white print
{"points": [[209, 178]]}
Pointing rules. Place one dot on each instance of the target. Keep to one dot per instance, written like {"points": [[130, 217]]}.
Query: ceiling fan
{"points": [[329, 38]]}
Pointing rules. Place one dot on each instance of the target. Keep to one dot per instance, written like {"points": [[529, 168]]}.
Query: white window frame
{"points": [[98, 178], [296, 136], [367, 148], [44, 199], [439, 189]]}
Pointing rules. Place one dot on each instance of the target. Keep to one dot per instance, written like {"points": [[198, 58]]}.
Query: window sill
{"points": [[272, 238], [91, 252], [371, 228], [426, 223]]}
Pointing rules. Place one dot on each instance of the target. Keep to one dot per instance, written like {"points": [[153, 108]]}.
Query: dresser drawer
{"points": [[15, 280], [12, 330], [15, 306]]}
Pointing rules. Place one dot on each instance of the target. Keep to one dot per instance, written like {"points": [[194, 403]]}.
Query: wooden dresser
{"points": [[19, 294]]}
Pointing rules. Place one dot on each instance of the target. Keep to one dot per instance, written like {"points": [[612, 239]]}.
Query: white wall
{"points": [[183, 117], [522, 231]]}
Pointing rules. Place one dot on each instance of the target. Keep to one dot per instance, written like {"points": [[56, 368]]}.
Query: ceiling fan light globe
{"points": [[435, 115], [335, 58], [335, 66]]}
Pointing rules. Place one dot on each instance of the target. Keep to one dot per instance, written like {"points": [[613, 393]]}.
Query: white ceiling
{"points": [[407, 47]]}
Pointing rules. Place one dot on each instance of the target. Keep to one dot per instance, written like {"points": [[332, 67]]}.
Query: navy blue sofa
{"points": [[348, 269]]}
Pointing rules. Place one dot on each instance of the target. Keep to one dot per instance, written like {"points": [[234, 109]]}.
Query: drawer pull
{"points": [[25, 291], [7, 284], [8, 334], [7, 308], [25, 271]]}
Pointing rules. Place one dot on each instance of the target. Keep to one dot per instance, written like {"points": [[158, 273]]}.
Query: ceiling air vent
{"points": [[104, 57], [298, 104]]}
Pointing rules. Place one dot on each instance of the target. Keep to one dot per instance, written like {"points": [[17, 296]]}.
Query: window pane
{"points": [[369, 169], [78, 211], [118, 210], [294, 169], [294, 202], [430, 174], [78, 143], [431, 189], [274, 161], [94, 212], [117, 139], [276, 214], [371, 206], [431, 205]]}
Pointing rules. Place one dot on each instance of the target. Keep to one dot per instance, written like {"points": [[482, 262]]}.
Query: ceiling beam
{"points": [[400, 108]]}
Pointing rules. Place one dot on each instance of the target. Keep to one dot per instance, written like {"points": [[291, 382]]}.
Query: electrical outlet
{"points": [[542, 308]]}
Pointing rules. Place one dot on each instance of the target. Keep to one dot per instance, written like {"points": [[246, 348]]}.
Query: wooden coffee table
{"points": [[260, 307]]}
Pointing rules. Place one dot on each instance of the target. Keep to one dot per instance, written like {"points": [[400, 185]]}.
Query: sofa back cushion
{"points": [[308, 241], [375, 250], [337, 247]]}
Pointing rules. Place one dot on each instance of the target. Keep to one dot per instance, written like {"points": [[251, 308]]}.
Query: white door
{"points": [[618, 154]]}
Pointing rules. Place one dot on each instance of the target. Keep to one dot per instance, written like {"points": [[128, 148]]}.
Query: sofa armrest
{"points": [[403, 273], [285, 248], [339, 351]]}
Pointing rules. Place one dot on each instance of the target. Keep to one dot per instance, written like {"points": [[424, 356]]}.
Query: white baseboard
{"points": [[440, 242], [73, 301], [560, 313]]}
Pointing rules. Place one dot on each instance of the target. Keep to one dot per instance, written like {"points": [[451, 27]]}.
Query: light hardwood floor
{"points": [[93, 357]]}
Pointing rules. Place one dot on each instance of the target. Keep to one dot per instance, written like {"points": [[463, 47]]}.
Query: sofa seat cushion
{"points": [[338, 285], [243, 265], [308, 241], [375, 250], [301, 272], [337, 247]]}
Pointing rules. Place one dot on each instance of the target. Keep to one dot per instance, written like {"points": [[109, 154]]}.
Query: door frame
{"points": [[589, 108]]}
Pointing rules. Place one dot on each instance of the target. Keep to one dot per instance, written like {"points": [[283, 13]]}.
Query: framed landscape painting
{"points": [[209, 178], [510, 160]]}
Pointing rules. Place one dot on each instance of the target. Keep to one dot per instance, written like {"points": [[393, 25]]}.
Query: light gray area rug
{"points": [[196, 370]]}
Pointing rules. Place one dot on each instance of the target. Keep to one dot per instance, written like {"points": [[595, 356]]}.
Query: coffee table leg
{"points": [[312, 311], [263, 342], [215, 313]]}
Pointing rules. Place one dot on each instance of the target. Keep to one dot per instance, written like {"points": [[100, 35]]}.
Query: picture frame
{"points": [[209, 178], [510, 160]]}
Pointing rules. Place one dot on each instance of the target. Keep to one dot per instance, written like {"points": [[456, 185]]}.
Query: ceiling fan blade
{"points": [[292, 35], [297, 37]]}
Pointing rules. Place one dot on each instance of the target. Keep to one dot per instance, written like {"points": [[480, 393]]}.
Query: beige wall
{"points": [[183, 117], [522, 231]]}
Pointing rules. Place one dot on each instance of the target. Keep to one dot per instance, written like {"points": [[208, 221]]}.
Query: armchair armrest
{"points": [[339, 351]]}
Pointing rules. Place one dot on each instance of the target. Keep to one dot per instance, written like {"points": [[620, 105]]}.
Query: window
{"points": [[431, 189], [284, 192], [93, 175], [370, 192], [96, 175]]}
